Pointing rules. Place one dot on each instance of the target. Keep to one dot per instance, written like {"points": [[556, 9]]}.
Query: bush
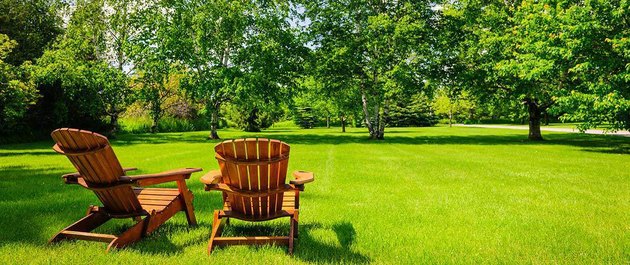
{"points": [[142, 124]]}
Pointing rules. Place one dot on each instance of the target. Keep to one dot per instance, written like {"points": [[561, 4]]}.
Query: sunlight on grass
{"points": [[427, 195]]}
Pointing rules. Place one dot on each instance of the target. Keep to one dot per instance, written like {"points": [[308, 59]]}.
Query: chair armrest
{"points": [[302, 177], [248, 193], [166, 176], [74, 178], [71, 178], [212, 177]]}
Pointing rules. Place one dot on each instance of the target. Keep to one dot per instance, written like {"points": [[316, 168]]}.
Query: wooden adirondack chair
{"points": [[252, 178], [122, 196]]}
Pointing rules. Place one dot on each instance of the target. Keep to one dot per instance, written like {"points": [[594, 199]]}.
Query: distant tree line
{"points": [[201, 65]]}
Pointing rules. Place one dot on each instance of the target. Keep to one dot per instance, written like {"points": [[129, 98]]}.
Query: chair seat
{"points": [[288, 202], [156, 198]]}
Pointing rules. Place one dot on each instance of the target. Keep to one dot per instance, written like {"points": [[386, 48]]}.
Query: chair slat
{"points": [[251, 147], [240, 152], [263, 154]]}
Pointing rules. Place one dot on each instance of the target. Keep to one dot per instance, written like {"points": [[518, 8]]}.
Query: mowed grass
{"points": [[424, 195]]}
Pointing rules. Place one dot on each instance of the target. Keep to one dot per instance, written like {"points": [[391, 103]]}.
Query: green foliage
{"points": [[455, 108], [540, 53], [78, 87], [233, 50], [143, 124], [17, 92], [251, 119], [411, 111], [374, 48], [33, 24]]}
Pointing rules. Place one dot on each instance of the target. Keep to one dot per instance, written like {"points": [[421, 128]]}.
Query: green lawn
{"points": [[424, 195]]}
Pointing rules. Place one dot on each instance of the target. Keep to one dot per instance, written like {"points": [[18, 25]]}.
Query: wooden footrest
{"points": [[253, 240], [89, 236]]}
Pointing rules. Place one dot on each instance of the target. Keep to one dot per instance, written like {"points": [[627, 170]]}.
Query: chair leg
{"points": [[216, 231], [85, 224], [187, 198], [293, 231], [295, 228], [133, 234]]}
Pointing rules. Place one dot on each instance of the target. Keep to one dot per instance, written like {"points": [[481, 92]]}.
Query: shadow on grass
{"points": [[308, 247], [159, 242], [320, 252], [29, 153], [30, 198], [35, 204], [591, 143]]}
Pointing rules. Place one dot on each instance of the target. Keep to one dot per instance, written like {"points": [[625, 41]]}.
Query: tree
{"points": [[158, 74], [539, 53], [236, 49], [33, 24], [597, 32], [17, 92], [456, 107], [77, 85], [375, 47], [119, 20]]}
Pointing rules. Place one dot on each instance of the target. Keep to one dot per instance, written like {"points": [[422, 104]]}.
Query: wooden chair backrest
{"points": [[254, 164], [92, 156]]}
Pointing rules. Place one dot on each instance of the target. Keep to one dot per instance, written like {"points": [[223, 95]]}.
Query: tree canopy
{"points": [[249, 64]]}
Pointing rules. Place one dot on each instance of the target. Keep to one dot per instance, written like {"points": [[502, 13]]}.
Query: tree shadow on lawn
{"points": [[29, 199], [591, 143], [28, 153]]}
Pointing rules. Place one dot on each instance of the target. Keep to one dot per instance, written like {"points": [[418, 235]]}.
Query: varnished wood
{"points": [[252, 240], [252, 179], [100, 171], [88, 236]]}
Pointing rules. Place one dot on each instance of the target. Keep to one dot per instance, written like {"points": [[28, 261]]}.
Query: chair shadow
{"points": [[308, 248], [159, 242], [346, 235]]}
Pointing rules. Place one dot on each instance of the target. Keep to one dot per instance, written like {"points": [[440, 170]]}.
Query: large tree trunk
{"points": [[534, 120], [113, 120], [214, 121], [343, 123], [156, 113], [376, 127], [154, 125], [381, 129], [327, 120], [366, 112]]}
